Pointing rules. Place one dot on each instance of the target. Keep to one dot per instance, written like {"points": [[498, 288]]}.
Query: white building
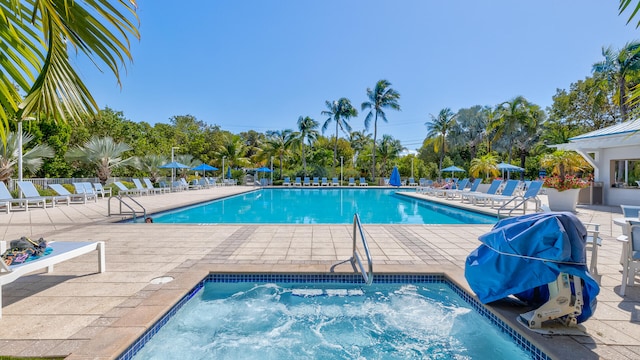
{"points": [[614, 153]]}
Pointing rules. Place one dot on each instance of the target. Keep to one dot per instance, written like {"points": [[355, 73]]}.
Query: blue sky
{"points": [[261, 64]]}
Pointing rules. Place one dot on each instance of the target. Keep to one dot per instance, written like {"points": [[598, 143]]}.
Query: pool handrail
{"points": [[366, 275]]}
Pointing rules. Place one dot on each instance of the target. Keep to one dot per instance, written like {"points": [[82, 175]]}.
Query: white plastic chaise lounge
{"points": [[324, 182], [33, 196], [287, 181], [458, 187], [453, 194], [158, 190], [297, 182], [352, 182], [86, 190], [123, 190], [306, 182], [316, 181], [101, 190], [89, 190], [492, 190], [7, 200], [73, 198], [334, 182], [412, 182], [62, 251], [520, 200], [363, 182], [143, 190]]}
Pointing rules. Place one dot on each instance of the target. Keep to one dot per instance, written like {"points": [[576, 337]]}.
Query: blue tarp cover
{"points": [[511, 260]]}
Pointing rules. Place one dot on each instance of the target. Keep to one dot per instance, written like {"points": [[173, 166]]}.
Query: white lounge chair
{"points": [[287, 181], [352, 182], [334, 182], [74, 198], [298, 182], [101, 190], [33, 196], [143, 190], [123, 190], [512, 203], [157, 190], [446, 193], [7, 200], [492, 190], [508, 190], [86, 190], [306, 182], [363, 182], [631, 260], [316, 181], [324, 182], [412, 182], [62, 251]]}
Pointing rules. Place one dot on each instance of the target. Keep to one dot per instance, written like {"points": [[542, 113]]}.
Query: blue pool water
{"points": [[329, 320], [321, 206]]}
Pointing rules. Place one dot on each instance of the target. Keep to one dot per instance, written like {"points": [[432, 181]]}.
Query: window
{"points": [[625, 173]]}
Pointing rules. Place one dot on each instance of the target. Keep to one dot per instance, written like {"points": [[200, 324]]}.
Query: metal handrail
{"points": [[122, 202], [355, 258]]}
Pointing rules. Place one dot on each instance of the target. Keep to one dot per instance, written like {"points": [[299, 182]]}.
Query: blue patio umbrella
{"points": [[263, 169], [174, 165], [229, 172], [453, 169], [204, 168], [508, 167], [394, 180]]}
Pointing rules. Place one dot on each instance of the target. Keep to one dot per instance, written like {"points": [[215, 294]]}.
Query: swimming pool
{"points": [[329, 316], [321, 206]]}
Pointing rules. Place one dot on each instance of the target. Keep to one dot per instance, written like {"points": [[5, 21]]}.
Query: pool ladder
{"points": [[355, 257], [122, 202]]}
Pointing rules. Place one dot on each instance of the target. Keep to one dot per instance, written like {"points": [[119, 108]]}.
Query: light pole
{"points": [[412, 167], [271, 171], [20, 145], [223, 168], [173, 170], [341, 159]]}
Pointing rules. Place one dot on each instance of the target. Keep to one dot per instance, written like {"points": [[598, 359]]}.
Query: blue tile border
{"points": [[520, 340]]}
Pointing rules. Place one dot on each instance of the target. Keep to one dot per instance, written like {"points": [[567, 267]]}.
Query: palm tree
{"points": [[615, 69], [278, 144], [31, 159], [511, 115], [308, 132], [102, 153], [562, 162], [388, 151], [380, 98], [438, 128], [339, 111], [233, 148], [358, 141], [151, 163], [37, 38], [484, 164], [186, 159]]}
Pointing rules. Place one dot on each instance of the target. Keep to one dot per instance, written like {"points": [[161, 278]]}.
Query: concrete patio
{"points": [[78, 313]]}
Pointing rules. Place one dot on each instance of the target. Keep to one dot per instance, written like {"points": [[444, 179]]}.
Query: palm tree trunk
{"points": [[375, 134], [281, 161], [335, 147], [304, 159], [623, 103]]}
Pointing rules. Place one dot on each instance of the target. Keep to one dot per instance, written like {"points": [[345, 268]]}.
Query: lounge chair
{"points": [[74, 198], [157, 190], [492, 190], [508, 190], [412, 182], [334, 182], [324, 182], [298, 182], [62, 251], [460, 185], [101, 190], [287, 181], [316, 181], [86, 190], [457, 192], [123, 190], [352, 182], [306, 182], [631, 260], [7, 200], [630, 211], [363, 182], [452, 194], [143, 190], [33, 196], [189, 185], [515, 202]]}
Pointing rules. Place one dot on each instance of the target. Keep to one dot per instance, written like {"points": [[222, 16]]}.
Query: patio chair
{"points": [[287, 181], [316, 181], [123, 190], [324, 182], [630, 211], [7, 200], [492, 190], [306, 182], [631, 260], [62, 251], [157, 190], [593, 242], [101, 190], [33, 196], [515, 202], [335, 182], [508, 190], [412, 182], [298, 182], [352, 182], [83, 189], [446, 193], [363, 182], [74, 198]]}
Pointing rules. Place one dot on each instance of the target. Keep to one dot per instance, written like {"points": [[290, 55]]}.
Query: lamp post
{"points": [[20, 145], [341, 178], [223, 168], [412, 167], [271, 171], [173, 170]]}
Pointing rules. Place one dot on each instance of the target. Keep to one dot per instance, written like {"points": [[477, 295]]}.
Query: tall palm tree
{"points": [[380, 98], [102, 153], [37, 38], [388, 151], [486, 164], [339, 111], [31, 159], [511, 115], [278, 144], [437, 130], [307, 133], [615, 69], [233, 148]]}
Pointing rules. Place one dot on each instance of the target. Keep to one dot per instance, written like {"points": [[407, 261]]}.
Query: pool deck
{"points": [[77, 313]]}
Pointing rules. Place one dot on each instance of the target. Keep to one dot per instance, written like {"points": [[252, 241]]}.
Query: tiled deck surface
{"points": [[76, 311]]}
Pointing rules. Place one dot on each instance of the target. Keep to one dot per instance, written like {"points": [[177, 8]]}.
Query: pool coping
{"points": [[152, 303]]}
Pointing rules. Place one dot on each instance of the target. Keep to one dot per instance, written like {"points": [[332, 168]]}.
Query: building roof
{"points": [[622, 128], [619, 135]]}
